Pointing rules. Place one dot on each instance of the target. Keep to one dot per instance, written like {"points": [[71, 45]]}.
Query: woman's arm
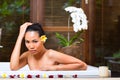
{"points": [[16, 61], [67, 62]]}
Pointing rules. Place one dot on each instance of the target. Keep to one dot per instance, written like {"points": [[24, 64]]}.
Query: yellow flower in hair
{"points": [[43, 38]]}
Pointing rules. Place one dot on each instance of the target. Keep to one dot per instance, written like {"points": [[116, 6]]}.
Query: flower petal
{"points": [[43, 38], [78, 18]]}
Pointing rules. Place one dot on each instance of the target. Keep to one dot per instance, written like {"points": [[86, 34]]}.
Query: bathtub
{"points": [[24, 72]]}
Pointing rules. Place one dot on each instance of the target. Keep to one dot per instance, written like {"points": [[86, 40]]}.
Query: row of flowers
{"points": [[22, 75]]}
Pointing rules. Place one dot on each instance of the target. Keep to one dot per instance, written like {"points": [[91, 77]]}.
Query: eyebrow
{"points": [[32, 40]]}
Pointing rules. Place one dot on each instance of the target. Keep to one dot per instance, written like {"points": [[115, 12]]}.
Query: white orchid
{"points": [[79, 18]]}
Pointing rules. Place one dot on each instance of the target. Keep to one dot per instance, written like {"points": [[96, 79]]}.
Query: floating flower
{"points": [[22, 75], [51, 76], [37, 76], [43, 38], [12, 76], [44, 75], [60, 76], [29, 76], [75, 76], [4, 75]]}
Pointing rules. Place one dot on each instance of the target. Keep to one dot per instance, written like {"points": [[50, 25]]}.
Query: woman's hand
{"points": [[16, 62], [23, 28]]}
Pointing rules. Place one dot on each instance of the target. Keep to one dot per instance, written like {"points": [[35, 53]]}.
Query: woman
{"points": [[38, 57]]}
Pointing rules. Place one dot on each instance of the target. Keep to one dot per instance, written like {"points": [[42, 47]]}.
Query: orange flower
{"points": [[43, 38]]}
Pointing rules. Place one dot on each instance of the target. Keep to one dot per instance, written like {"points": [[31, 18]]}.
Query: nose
{"points": [[31, 46]]}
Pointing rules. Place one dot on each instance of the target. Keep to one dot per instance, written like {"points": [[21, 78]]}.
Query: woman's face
{"points": [[33, 42]]}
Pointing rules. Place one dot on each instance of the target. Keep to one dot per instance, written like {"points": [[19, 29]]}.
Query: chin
{"points": [[33, 52]]}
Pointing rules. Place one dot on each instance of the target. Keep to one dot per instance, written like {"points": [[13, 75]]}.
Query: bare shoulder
{"points": [[52, 53], [25, 54]]}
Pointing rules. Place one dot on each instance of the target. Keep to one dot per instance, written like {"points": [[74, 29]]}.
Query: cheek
{"points": [[26, 45], [38, 45]]}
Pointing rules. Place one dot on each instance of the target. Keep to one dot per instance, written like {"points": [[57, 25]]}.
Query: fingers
{"points": [[26, 24], [23, 28]]}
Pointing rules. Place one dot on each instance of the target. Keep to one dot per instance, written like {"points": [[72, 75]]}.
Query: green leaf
{"points": [[4, 9], [76, 36], [81, 40], [117, 54], [62, 43], [62, 40]]}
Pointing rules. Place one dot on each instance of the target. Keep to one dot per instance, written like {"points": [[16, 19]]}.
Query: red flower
{"points": [[37, 76], [18, 76], [60, 76], [12, 76], [50, 76], [75, 76], [29, 76]]}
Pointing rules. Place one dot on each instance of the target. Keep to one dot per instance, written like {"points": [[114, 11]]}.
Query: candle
{"points": [[103, 71]]}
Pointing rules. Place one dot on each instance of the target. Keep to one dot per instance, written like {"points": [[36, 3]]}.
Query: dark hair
{"points": [[36, 27]]}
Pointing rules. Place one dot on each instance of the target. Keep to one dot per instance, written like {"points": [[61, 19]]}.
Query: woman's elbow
{"points": [[13, 68], [83, 66]]}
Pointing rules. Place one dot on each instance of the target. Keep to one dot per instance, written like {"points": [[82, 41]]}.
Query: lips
{"points": [[33, 51]]}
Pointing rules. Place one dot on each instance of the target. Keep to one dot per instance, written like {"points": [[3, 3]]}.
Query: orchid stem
{"points": [[68, 28]]}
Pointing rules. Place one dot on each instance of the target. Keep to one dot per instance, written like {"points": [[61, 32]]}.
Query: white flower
{"points": [[71, 9], [79, 18]]}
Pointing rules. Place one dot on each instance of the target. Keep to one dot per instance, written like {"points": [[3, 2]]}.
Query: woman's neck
{"points": [[41, 53]]}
